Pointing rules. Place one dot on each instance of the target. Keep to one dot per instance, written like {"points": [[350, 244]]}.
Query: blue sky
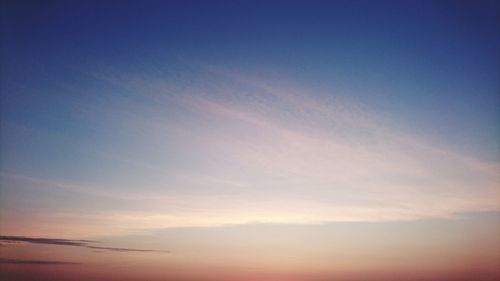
{"points": [[431, 65]]}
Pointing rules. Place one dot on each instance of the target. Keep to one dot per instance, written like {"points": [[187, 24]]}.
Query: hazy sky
{"points": [[250, 140]]}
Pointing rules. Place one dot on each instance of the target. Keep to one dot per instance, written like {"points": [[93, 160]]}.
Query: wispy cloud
{"points": [[348, 161], [36, 262], [68, 242], [123, 249], [232, 148], [52, 241]]}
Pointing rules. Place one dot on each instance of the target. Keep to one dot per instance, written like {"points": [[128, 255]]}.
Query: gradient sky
{"points": [[250, 140]]}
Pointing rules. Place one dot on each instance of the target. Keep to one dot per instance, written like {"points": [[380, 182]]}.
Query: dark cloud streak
{"points": [[51, 241], [69, 242], [124, 249], [35, 262]]}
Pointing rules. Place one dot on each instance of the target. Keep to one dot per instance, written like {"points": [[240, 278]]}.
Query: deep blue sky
{"points": [[432, 65]]}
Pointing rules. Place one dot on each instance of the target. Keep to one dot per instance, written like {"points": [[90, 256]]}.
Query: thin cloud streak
{"points": [[36, 262], [68, 242], [51, 241], [124, 249]]}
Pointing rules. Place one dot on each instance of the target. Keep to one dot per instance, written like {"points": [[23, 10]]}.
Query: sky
{"points": [[250, 140]]}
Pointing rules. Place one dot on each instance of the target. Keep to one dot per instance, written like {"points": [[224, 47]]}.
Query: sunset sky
{"points": [[250, 140]]}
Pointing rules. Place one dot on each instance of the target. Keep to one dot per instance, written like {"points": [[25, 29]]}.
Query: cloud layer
{"points": [[227, 148]]}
